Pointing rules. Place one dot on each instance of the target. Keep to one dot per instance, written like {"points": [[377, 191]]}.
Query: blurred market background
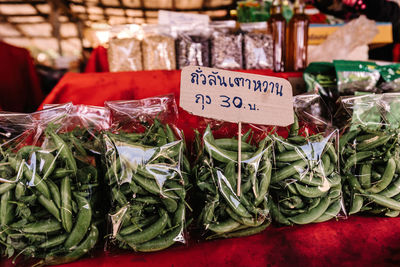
{"points": [[41, 40]]}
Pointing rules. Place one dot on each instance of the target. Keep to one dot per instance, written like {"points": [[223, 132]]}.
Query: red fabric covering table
{"points": [[357, 241], [19, 84]]}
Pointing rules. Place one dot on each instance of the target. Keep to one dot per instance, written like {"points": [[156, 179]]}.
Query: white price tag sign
{"points": [[236, 97]]}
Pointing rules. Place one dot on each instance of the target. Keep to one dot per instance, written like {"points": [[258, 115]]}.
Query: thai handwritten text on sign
{"points": [[236, 97]]}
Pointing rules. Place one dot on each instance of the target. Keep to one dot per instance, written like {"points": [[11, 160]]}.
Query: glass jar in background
{"points": [[277, 24], [297, 39]]}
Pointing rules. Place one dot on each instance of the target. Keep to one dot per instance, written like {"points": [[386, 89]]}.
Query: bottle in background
{"points": [[277, 24], [297, 39]]}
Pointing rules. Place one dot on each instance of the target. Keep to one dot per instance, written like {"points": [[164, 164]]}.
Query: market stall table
{"points": [[357, 241]]}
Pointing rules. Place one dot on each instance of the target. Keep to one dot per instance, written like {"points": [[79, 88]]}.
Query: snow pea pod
{"points": [[82, 223], [313, 214]]}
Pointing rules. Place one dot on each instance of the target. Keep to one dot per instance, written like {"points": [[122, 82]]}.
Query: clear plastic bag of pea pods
{"points": [[306, 183], [232, 205], [49, 185], [370, 154], [147, 173]]}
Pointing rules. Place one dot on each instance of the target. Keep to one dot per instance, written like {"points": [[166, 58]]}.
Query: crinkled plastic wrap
{"points": [[224, 212], [306, 184], [193, 50], [48, 185], [124, 50], [258, 46], [370, 154], [158, 48], [147, 173], [226, 47]]}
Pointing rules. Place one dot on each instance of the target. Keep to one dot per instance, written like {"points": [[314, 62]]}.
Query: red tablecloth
{"points": [[19, 85], [358, 241]]}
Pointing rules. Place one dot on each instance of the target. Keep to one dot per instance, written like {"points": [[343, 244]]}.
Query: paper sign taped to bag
{"points": [[236, 97]]}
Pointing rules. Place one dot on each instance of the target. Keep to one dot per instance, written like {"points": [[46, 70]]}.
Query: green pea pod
{"points": [[170, 134], [392, 190], [175, 187], [246, 221], [78, 252], [162, 242], [346, 138], [312, 180], [151, 186], [6, 208], [61, 173], [230, 173], [372, 143], [46, 226], [50, 206], [148, 200], [169, 204], [331, 212], [332, 153], [296, 167], [312, 214], [246, 232], [276, 214], [356, 157], [223, 227], [64, 150], [118, 196], [355, 185], [55, 193], [34, 179], [291, 156], [5, 187], [326, 163], [82, 223], [179, 216], [218, 153], [147, 234], [312, 191], [54, 241], [387, 177], [365, 176], [230, 197], [356, 204], [232, 145], [20, 189], [66, 204], [47, 163], [392, 213], [384, 201], [294, 128], [265, 180], [246, 136], [138, 226], [292, 202]]}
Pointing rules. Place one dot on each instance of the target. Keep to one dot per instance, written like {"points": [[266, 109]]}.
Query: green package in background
{"points": [[391, 77], [366, 111], [355, 76], [320, 77]]}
